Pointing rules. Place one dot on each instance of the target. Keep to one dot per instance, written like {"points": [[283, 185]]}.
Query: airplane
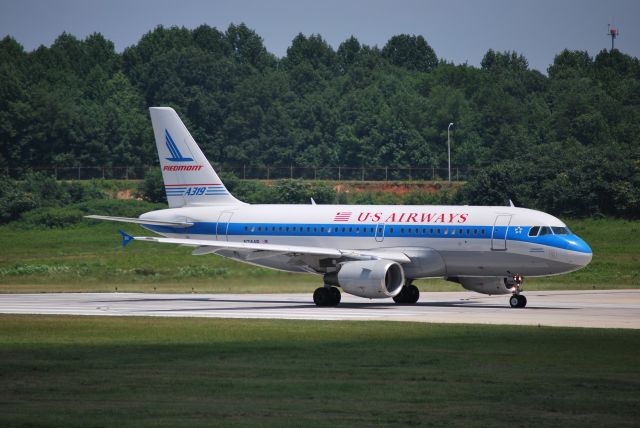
{"points": [[370, 251]]}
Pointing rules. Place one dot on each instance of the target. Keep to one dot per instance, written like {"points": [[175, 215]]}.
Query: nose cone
{"points": [[580, 253]]}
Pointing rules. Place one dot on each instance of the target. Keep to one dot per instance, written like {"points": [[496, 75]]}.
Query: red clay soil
{"points": [[398, 188]]}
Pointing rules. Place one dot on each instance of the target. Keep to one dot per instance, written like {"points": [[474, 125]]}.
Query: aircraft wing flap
{"points": [[179, 224], [208, 246], [394, 256]]}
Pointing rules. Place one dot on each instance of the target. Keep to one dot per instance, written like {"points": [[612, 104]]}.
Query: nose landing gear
{"points": [[514, 283]]}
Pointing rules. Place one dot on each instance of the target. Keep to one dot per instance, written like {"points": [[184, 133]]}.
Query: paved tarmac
{"points": [[601, 308]]}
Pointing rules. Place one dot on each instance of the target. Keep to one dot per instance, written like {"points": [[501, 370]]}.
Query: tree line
{"points": [[566, 142]]}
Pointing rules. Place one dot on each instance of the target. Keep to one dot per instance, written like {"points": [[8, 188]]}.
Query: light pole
{"points": [[449, 149]]}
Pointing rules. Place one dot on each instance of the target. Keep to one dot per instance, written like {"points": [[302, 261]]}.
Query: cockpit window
{"points": [[534, 231], [560, 230], [545, 230]]}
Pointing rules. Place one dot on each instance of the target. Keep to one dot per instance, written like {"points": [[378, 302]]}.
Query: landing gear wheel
{"points": [[335, 296], [513, 301], [326, 296], [408, 295], [523, 301], [518, 301], [322, 296], [413, 294]]}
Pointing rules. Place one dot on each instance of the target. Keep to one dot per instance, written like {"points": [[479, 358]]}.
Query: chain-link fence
{"points": [[81, 172], [250, 172]]}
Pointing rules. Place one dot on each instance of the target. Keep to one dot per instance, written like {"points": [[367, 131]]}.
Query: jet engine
{"points": [[484, 285], [370, 278]]}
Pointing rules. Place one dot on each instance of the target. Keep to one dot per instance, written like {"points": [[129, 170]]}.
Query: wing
{"points": [[257, 251]]}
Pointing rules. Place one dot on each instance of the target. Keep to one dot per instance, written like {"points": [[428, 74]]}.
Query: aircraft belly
{"points": [[501, 263]]}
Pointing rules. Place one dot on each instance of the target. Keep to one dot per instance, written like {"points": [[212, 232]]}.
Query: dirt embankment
{"points": [[398, 188]]}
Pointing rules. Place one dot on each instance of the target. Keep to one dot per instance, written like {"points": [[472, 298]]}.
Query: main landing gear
{"points": [[326, 296], [408, 295], [517, 300]]}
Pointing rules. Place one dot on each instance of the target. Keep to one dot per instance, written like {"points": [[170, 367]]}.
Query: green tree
{"points": [[410, 52]]}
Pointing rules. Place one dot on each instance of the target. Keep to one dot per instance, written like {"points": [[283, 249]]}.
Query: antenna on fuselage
{"points": [[511, 203]]}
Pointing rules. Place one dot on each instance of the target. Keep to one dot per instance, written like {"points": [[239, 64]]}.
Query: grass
{"points": [[89, 257], [101, 371]]}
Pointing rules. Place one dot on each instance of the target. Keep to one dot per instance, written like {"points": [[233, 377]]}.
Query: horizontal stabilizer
{"points": [[178, 224], [126, 238]]}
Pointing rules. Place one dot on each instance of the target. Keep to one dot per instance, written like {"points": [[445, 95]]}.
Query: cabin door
{"points": [[222, 227], [499, 232]]}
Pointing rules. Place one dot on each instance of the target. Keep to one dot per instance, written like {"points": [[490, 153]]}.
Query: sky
{"points": [[460, 31]]}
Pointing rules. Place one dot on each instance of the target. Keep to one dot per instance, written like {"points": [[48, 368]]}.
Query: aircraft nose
{"points": [[581, 253]]}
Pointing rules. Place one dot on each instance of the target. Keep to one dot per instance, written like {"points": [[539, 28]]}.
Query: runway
{"points": [[603, 309]]}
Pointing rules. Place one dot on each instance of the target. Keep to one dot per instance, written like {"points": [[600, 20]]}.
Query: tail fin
{"points": [[189, 178]]}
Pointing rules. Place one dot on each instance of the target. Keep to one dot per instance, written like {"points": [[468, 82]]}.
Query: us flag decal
{"points": [[342, 216]]}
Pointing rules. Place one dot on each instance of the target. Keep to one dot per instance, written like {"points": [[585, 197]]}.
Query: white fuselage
{"points": [[442, 241]]}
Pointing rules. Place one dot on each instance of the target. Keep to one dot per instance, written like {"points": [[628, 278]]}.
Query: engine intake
{"points": [[374, 279]]}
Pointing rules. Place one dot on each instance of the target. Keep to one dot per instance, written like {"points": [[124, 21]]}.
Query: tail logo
{"points": [[176, 156]]}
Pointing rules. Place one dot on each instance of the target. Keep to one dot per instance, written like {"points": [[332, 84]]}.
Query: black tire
{"points": [[401, 297], [522, 301], [336, 296], [322, 297], [514, 301], [413, 294]]}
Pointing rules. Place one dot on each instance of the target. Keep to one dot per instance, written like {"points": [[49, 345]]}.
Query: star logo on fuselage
{"points": [[518, 230]]}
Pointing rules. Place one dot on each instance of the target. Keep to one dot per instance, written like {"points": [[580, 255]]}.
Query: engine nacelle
{"points": [[484, 285], [374, 279]]}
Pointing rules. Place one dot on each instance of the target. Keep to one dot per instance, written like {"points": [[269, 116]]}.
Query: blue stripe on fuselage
{"points": [[514, 233]]}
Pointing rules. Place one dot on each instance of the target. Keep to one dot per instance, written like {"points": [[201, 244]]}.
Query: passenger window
{"points": [[482, 232], [315, 229], [453, 231], [544, 230], [351, 229], [343, 230], [308, 229], [424, 230], [357, 230], [246, 228], [322, 229], [253, 228], [460, 231], [438, 231], [475, 231], [534, 231], [259, 228], [287, 228], [468, 232], [391, 229], [431, 231], [329, 230], [273, 228], [371, 230], [446, 231]]}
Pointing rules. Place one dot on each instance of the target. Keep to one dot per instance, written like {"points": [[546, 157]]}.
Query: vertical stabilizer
{"points": [[189, 178]]}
